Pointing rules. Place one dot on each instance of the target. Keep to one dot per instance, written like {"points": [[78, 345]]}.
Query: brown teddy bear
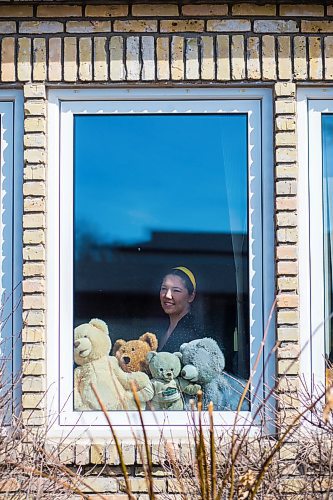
{"points": [[132, 354]]}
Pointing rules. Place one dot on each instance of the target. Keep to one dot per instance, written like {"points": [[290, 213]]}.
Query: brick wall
{"points": [[160, 45]]}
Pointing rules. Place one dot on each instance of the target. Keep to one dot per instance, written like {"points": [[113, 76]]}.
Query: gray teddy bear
{"points": [[203, 363], [168, 387]]}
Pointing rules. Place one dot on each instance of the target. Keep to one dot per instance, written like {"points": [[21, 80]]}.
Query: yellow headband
{"points": [[189, 274]]}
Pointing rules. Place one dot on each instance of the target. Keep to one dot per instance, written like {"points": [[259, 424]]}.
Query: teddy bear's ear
{"points": [[150, 356], [117, 345], [150, 339], [100, 324], [179, 355]]}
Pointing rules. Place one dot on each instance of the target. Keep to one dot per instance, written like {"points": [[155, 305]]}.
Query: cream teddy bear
{"points": [[92, 345]]}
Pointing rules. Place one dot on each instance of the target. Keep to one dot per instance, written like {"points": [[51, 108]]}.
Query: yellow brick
{"points": [[33, 269], [24, 59], [317, 26], [223, 59], [88, 26], [300, 62], [286, 187], [154, 10], [315, 58], [285, 139], [268, 58], [207, 58], [285, 89], [117, 70], [286, 203], [70, 64], [36, 107], [328, 51], [287, 366], [251, 9], [285, 123], [288, 268], [286, 171], [82, 456], [85, 53], [33, 384], [33, 367], [286, 155], [33, 285], [33, 351], [301, 10], [59, 11], [7, 58], [34, 90], [106, 10], [34, 172], [237, 57], [35, 124], [33, 334], [35, 140], [228, 25], [288, 300], [39, 59], [34, 205], [163, 56], [33, 221], [253, 61], [192, 59], [135, 26], [7, 27], [16, 11], [284, 106], [287, 235], [33, 418], [148, 58], [287, 283], [192, 25], [33, 237], [286, 252], [285, 334], [66, 452], [100, 64], [286, 219], [33, 401], [34, 252], [38, 27], [133, 66], [205, 10], [177, 58], [284, 58], [55, 64], [97, 453], [34, 155]]}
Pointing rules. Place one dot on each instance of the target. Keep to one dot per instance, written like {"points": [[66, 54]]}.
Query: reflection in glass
{"points": [[154, 192]]}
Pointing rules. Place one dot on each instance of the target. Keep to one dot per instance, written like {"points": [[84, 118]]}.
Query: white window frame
{"points": [[312, 104], [11, 200], [63, 104]]}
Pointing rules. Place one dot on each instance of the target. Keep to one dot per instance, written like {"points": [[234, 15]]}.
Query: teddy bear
{"points": [[203, 363], [168, 387], [92, 345], [132, 354]]}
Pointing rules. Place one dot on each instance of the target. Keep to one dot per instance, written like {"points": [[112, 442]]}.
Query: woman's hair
{"points": [[186, 276]]}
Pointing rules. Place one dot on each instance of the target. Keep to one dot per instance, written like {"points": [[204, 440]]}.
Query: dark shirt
{"points": [[187, 329]]}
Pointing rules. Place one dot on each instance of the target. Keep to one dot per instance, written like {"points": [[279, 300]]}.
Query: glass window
{"points": [[161, 250]]}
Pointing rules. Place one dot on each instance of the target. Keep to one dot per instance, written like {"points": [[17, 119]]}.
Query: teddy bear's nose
{"points": [[126, 360], [76, 343]]}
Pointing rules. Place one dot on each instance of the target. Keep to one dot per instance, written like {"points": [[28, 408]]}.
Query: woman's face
{"points": [[174, 296]]}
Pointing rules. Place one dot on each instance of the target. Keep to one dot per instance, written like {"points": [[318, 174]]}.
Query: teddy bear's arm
{"points": [[188, 388], [78, 403]]}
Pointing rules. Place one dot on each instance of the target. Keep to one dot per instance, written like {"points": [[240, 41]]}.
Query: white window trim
{"points": [[62, 104], [312, 102], [11, 195]]}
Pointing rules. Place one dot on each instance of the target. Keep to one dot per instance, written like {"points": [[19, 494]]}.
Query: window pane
{"points": [[327, 128], [154, 192]]}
